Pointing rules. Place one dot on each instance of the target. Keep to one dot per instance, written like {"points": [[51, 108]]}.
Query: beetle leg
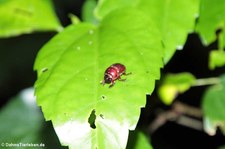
{"points": [[126, 74], [111, 84], [122, 79]]}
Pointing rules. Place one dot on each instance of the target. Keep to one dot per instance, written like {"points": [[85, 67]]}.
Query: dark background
{"points": [[17, 56]]}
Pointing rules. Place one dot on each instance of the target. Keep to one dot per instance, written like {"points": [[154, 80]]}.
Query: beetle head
{"points": [[108, 78]]}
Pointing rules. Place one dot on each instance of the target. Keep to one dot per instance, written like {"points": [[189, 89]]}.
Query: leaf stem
{"points": [[206, 81]]}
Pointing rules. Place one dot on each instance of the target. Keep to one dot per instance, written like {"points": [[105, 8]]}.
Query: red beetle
{"points": [[113, 73]]}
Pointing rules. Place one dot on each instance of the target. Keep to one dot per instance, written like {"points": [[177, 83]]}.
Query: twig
{"points": [[206, 81], [180, 113], [186, 109]]}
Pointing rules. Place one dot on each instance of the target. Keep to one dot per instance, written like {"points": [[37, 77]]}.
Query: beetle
{"points": [[113, 73]]}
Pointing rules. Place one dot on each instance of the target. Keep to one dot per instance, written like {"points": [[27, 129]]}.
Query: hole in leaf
{"points": [[91, 119], [102, 116], [44, 69], [103, 96]]}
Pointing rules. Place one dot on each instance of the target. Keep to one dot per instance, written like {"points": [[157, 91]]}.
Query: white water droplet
{"points": [[91, 32], [179, 47], [90, 42], [78, 48]]}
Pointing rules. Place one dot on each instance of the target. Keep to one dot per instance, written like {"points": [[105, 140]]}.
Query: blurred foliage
{"points": [[22, 16], [23, 122], [25, 116], [74, 19], [211, 18], [222, 147], [138, 140], [214, 107], [88, 11], [208, 23], [174, 84], [216, 59]]}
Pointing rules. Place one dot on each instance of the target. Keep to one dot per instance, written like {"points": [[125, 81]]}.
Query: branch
{"points": [[180, 113]]}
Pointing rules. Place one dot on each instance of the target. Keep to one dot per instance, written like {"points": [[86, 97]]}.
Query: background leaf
{"points": [[222, 147], [88, 11], [23, 122], [174, 84], [174, 18], [22, 16], [70, 69], [216, 59], [214, 108], [138, 140], [74, 19], [212, 17], [25, 115]]}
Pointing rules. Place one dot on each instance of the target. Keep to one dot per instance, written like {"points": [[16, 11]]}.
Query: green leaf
{"points": [[70, 69], [137, 140], [88, 11], [22, 16], [216, 59], [222, 147], [212, 17], [214, 107], [174, 18], [74, 19], [21, 121], [174, 84]]}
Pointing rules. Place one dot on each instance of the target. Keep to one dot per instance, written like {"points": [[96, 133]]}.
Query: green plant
{"points": [[141, 34]]}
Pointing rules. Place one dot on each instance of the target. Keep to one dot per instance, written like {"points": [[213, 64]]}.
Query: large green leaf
{"points": [[212, 17], [214, 107], [86, 114], [174, 18], [25, 16]]}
